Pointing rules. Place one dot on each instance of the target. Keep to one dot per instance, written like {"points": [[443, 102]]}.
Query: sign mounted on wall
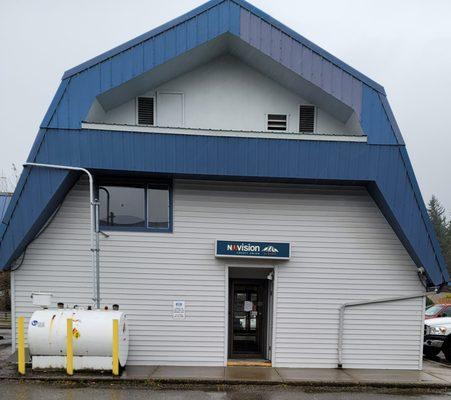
{"points": [[244, 249], [178, 309]]}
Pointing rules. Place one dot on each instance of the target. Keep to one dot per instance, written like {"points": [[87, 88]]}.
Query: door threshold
{"points": [[248, 363]]}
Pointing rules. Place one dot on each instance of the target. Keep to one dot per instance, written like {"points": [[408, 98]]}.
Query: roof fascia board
{"points": [[141, 38], [421, 205], [391, 118], [53, 105]]}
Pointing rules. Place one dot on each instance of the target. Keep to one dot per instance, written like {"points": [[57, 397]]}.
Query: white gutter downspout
{"points": [[361, 303], [94, 226]]}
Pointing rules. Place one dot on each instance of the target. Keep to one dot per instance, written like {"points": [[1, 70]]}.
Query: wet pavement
{"points": [[33, 391]]}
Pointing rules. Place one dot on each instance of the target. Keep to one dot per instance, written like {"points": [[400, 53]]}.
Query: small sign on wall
{"points": [[178, 311]]}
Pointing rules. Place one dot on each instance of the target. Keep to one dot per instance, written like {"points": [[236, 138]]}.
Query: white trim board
{"points": [[213, 132]]}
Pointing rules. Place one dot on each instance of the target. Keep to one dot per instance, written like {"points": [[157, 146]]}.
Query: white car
{"points": [[437, 337]]}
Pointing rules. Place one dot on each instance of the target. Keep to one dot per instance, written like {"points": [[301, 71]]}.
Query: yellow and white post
{"points": [[69, 348], [21, 345], [115, 349]]}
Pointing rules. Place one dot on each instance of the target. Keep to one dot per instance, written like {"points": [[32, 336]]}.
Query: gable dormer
{"points": [[225, 94]]}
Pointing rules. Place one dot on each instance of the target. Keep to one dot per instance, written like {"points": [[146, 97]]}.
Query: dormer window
{"points": [[146, 110], [277, 122], [306, 118]]}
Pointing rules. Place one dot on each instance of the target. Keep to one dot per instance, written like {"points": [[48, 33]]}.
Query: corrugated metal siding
{"points": [[291, 53], [241, 157], [5, 198], [144, 55], [343, 249], [375, 121], [84, 83]]}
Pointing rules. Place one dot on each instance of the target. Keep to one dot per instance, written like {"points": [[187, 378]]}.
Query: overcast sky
{"points": [[404, 45]]}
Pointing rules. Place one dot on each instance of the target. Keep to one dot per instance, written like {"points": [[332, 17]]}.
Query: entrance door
{"points": [[247, 318]]}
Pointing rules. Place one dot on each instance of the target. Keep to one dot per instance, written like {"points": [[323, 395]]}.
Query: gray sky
{"points": [[404, 45]]}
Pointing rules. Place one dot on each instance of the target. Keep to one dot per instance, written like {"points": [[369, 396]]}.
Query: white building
{"points": [[250, 186]]}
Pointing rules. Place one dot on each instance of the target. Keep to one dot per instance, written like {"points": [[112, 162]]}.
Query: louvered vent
{"points": [[145, 111], [306, 118], [277, 122]]}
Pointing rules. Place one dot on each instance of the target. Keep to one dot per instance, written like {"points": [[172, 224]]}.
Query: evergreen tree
{"points": [[447, 252], [442, 227]]}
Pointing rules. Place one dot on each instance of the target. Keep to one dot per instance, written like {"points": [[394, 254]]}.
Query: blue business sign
{"points": [[244, 249]]}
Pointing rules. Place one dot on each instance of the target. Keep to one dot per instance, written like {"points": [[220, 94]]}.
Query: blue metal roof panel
{"points": [[381, 164], [290, 51], [142, 38], [234, 26], [5, 198], [241, 158]]}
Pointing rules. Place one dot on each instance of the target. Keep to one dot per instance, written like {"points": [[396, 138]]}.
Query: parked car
{"points": [[437, 337], [438, 311]]}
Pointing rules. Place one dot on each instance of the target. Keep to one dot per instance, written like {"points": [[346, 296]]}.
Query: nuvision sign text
{"points": [[246, 249]]}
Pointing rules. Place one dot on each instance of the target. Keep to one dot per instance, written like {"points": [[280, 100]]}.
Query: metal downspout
{"points": [[94, 225], [361, 303]]}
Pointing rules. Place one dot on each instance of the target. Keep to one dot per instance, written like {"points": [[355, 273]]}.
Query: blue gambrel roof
{"points": [[381, 164], [5, 198]]}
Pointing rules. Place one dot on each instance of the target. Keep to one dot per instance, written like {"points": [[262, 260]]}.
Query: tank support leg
{"points": [[21, 346], [115, 349], [69, 348]]}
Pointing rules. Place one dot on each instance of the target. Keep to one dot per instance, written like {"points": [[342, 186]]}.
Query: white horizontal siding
{"points": [[342, 250]]}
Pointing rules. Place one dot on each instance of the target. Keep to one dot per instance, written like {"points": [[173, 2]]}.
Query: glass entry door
{"points": [[247, 318]]}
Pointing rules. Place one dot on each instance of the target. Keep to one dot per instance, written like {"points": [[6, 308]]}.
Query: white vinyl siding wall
{"points": [[342, 250]]}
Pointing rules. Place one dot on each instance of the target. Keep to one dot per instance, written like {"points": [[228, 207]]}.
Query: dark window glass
{"points": [[158, 207], [122, 206]]}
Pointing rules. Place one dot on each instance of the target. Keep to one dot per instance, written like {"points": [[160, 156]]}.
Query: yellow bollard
{"points": [[21, 345], [69, 348], [115, 350]]}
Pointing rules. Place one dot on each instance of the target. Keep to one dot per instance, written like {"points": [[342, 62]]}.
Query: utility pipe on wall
{"points": [[94, 225], [361, 303]]}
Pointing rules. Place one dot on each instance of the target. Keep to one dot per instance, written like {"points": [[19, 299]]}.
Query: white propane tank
{"points": [[92, 334]]}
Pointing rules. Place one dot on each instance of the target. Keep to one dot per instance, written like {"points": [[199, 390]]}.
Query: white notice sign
{"points": [[179, 309], [248, 306]]}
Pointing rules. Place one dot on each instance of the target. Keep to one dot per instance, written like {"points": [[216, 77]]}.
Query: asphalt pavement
{"points": [[34, 391]]}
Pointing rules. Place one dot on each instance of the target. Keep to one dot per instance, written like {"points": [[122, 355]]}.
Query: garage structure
{"points": [[249, 185]]}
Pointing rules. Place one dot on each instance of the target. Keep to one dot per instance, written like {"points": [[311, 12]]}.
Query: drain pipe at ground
{"points": [[361, 303], [94, 225]]}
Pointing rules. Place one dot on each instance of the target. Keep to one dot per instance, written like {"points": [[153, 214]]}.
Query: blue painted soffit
{"points": [[385, 170]]}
